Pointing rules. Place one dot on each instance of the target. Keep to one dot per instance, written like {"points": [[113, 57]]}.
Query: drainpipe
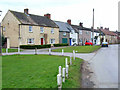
{"points": [[0, 41], [78, 38], [19, 37]]}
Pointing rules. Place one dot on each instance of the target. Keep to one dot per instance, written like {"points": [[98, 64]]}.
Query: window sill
{"points": [[41, 32], [31, 43], [30, 32]]}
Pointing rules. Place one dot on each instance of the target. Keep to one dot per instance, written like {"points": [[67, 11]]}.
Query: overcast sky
{"points": [[106, 11]]}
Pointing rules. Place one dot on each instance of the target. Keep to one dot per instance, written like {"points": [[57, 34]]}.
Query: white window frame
{"points": [[31, 41], [64, 33], [80, 31], [80, 40], [30, 29], [4, 29], [52, 30], [87, 32], [52, 42], [41, 29]]}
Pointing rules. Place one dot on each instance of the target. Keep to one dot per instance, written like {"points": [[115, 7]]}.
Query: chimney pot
{"points": [[48, 15], [81, 24], [26, 10], [101, 27], [69, 21]]}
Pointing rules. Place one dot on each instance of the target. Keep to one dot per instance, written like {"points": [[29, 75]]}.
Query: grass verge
{"points": [[37, 71], [79, 49], [9, 50]]}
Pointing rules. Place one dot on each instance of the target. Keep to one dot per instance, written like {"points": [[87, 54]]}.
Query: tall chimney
{"points": [[101, 27], [26, 10], [48, 15], [69, 21], [81, 24]]}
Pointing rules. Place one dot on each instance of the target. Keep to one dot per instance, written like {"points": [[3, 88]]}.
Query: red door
{"points": [[41, 41]]}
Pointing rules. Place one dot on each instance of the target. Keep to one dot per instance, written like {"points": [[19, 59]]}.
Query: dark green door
{"points": [[64, 40]]}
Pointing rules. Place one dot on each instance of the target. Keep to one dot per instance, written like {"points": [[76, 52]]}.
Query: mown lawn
{"points": [[9, 50], [37, 71], [79, 49]]}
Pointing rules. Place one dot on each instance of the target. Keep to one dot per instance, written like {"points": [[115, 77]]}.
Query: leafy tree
{"points": [[3, 40]]}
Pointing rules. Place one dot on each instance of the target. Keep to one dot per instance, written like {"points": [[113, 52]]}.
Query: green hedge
{"points": [[58, 45], [35, 46]]}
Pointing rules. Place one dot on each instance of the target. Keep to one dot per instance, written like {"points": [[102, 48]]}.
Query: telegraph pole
{"points": [[93, 28]]}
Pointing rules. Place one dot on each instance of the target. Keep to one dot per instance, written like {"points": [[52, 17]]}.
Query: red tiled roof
{"points": [[107, 32]]}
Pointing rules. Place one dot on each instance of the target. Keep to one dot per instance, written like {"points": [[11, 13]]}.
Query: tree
{"points": [[3, 40]]}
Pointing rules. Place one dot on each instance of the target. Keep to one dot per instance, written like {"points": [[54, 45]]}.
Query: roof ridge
{"points": [[24, 13]]}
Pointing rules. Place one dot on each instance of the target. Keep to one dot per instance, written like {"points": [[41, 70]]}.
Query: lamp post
{"points": [[0, 37]]}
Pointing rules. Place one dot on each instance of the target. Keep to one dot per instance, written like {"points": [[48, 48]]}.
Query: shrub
{"points": [[62, 44], [3, 40], [35, 46]]}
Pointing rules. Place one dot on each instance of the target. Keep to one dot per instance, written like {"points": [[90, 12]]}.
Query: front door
{"points": [[64, 40], [41, 41], [70, 41]]}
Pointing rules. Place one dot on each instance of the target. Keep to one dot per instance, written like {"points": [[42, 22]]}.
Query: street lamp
{"points": [[0, 37]]}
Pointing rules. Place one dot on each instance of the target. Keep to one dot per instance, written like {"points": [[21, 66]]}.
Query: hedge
{"points": [[62, 44], [35, 46]]}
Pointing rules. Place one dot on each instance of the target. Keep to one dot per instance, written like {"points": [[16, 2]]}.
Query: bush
{"points": [[35, 46], [59, 45]]}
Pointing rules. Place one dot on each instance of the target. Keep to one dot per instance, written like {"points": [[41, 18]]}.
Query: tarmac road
{"points": [[105, 67]]}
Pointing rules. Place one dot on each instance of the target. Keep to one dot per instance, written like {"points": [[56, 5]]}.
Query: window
{"points": [[87, 32], [31, 41], [3, 28], [72, 31], [41, 30], [52, 41], [52, 31], [74, 40], [80, 31], [30, 28], [80, 40], [64, 34]]}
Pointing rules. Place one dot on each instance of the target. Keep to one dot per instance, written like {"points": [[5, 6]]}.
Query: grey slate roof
{"points": [[63, 26], [33, 19], [77, 28]]}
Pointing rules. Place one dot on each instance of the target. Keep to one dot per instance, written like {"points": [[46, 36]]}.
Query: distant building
{"points": [[108, 36], [73, 34], [64, 32], [84, 33]]}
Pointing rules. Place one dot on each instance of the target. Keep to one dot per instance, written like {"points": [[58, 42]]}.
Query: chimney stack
{"points": [[81, 24], [69, 21], [48, 15], [101, 27], [106, 29], [26, 11]]}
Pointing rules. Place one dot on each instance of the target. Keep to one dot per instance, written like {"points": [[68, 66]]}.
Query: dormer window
{"points": [[30, 28], [64, 34]]}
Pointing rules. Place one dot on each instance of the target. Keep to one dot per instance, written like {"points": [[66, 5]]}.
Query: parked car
{"points": [[88, 43], [104, 44]]}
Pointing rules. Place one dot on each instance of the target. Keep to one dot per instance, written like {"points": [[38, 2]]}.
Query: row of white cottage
{"points": [[76, 34]]}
